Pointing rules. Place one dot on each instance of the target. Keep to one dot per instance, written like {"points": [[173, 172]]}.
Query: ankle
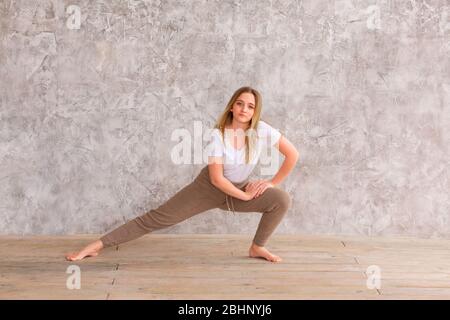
{"points": [[100, 245], [254, 245]]}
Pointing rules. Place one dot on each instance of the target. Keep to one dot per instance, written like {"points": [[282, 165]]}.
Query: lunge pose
{"points": [[237, 141]]}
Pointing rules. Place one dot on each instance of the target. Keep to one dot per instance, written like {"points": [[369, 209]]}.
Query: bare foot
{"points": [[261, 252], [91, 250]]}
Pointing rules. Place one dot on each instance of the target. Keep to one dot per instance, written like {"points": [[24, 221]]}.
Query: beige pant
{"points": [[199, 196]]}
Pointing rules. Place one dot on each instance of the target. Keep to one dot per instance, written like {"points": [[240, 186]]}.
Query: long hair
{"points": [[227, 117]]}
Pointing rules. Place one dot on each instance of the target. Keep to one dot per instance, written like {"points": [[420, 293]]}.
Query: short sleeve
{"points": [[215, 146], [270, 134]]}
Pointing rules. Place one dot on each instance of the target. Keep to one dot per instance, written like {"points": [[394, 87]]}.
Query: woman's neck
{"points": [[235, 125]]}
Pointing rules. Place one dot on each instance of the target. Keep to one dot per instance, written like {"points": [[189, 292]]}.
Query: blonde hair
{"points": [[227, 118]]}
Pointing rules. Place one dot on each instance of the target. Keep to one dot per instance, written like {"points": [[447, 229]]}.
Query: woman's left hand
{"points": [[260, 185]]}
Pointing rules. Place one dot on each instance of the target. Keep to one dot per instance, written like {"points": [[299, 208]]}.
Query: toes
{"points": [[274, 258], [68, 256], [73, 257]]}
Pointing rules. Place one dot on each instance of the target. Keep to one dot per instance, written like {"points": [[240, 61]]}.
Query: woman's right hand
{"points": [[250, 194]]}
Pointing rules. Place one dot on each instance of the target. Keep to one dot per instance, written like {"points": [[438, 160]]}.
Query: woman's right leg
{"points": [[189, 201], [198, 196]]}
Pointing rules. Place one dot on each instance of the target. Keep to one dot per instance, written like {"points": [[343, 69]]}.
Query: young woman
{"points": [[235, 146]]}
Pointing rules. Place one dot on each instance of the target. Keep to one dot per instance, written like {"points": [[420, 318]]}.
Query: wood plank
{"points": [[161, 266]]}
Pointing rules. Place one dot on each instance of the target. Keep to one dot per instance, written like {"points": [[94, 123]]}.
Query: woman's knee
{"points": [[281, 197]]}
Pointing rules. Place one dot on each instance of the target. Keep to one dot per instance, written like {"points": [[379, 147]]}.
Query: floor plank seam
{"points": [[112, 282], [108, 294]]}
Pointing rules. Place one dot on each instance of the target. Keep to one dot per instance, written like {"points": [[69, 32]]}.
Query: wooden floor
{"points": [[159, 266]]}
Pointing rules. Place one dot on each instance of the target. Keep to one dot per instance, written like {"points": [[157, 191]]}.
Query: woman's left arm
{"points": [[291, 157]]}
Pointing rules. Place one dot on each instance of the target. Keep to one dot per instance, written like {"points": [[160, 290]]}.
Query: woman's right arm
{"points": [[217, 178]]}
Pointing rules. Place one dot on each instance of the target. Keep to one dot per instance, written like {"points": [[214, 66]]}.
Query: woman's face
{"points": [[244, 107]]}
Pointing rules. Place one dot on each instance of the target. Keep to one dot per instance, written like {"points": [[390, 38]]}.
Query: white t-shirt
{"points": [[234, 167]]}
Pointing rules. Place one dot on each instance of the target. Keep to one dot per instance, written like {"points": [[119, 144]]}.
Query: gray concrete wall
{"points": [[88, 106]]}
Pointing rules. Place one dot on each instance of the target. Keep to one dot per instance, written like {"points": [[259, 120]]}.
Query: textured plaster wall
{"points": [[91, 91]]}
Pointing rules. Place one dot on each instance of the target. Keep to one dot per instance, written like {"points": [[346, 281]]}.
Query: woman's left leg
{"points": [[273, 203]]}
